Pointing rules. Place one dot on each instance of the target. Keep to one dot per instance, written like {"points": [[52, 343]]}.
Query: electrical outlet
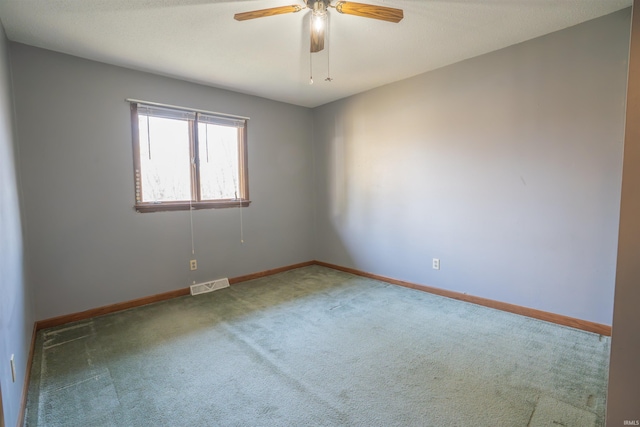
{"points": [[13, 369], [193, 264], [436, 264]]}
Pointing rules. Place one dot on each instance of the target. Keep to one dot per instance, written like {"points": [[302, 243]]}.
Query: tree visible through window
{"points": [[186, 159]]}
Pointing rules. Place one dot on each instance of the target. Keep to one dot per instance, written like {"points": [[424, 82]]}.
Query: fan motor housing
{"points": [[318, 6]]}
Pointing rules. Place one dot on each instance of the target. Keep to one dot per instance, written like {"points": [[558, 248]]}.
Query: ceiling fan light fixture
{"points": [[319, 13], [318, 21]]}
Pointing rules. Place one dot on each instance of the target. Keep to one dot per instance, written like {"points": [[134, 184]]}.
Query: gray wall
{"points": [[506, 167], [624, 374], [87, 246], [16, 314]]}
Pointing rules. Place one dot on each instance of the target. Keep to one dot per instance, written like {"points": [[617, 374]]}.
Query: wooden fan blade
{"points": [[267, 12], [317, 39], [389, 14]]}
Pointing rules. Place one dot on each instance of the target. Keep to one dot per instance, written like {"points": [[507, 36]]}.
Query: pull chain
{"points": [[328, 27], [310, 68]]}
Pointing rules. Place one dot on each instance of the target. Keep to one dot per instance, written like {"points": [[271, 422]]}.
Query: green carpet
{"points": [[317, 347]]}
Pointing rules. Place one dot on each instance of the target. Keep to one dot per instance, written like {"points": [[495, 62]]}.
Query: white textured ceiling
{"points": [[198, 40]]}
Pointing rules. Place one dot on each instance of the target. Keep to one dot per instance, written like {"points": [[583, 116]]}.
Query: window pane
{"points": [[164, 159], [218, 151]]}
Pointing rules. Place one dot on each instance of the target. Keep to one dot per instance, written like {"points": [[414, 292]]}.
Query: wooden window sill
{"points": [[185, 206]]}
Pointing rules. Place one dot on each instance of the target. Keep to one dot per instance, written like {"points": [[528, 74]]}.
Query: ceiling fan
{"points": [[319, 9]]}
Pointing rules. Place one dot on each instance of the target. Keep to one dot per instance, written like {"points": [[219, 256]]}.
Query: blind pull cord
{"points": [[241, 221], [193, 246]]}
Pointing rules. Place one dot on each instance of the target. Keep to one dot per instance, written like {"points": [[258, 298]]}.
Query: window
{"points": [[188, 159]]}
